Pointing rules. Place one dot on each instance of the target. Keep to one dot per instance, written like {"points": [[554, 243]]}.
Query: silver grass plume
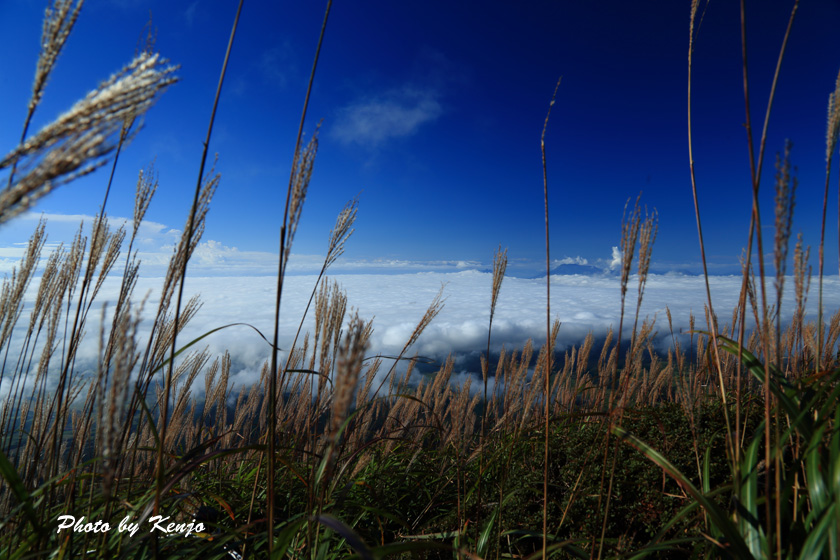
{"points": [[300, 186], [350, 360], [77, 142], [147, 184], [341, 232], [58, 22], [785, 201], [833, 127], [630, 226]]}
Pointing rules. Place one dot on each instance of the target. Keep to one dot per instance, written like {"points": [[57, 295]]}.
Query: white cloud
{"points": [[394, 114], [397, 302], [615, 262], [156, 242], [397, 266], [570, 260]]}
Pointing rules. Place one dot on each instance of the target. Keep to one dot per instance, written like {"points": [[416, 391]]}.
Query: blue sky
{"points": [[433, 112]]}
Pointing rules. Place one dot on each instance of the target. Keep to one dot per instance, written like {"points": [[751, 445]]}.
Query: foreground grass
{"points": [[426, 492]]}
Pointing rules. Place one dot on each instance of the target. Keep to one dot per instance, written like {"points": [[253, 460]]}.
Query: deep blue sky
{"points": [[433, 111]]}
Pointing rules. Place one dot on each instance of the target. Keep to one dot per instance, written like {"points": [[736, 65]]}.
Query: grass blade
{"points": [[349, 535], [8, 471], [734, 541]]}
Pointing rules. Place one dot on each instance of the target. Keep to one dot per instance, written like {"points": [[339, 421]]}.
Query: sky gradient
{"points": [[436, 121], [432, 112]]}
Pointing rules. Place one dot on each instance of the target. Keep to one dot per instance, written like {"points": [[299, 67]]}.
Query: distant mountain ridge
{"points": [[570, 269], [582, 269]]}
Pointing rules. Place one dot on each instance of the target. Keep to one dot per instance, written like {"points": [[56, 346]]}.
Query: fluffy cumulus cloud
{"points": [[394, 114], [615, 261]]}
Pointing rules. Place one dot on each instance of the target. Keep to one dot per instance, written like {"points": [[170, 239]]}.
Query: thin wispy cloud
{"points": [[190, 13], [277, 65], [156, 242], [403, 265], [272, 69], [397, 113]]}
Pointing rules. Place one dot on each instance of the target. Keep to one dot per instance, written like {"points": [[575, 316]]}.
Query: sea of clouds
{"points": [[396, 304], [240, 287]]}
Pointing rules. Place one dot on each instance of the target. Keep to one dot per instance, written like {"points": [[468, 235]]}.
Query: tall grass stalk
{"points": [[633, 230], [499, 267], [831, 135], [273, 372], [194, 220], [692, 32], [755, 170], [549, 349]]}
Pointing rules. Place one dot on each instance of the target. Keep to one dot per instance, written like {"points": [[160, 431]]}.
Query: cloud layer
{"points": [[156, 242], [397, 302]]}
